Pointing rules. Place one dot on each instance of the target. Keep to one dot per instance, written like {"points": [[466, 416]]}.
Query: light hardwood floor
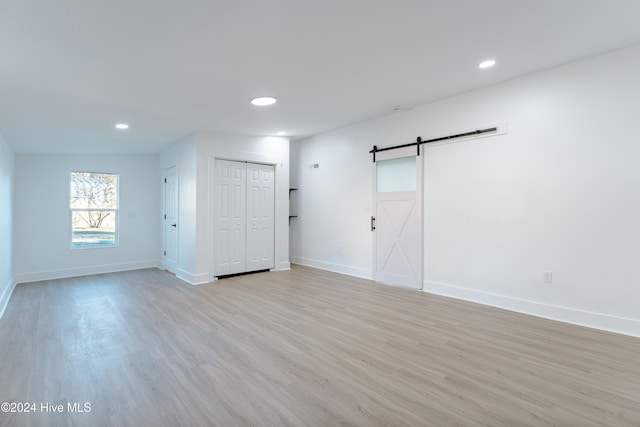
{"points": [[301, 348]]}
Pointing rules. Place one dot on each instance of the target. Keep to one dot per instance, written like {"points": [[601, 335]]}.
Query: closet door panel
{"points": [[253, 218], [267, 221], [260, 213], [230, 217]]}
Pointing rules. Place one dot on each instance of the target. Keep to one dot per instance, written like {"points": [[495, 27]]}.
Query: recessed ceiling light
{"points": [[122, 126], [281, 133], [263, 101], [487, 64]]}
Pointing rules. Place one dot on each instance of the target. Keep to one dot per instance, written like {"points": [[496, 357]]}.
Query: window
{"points": [[94, 209]]}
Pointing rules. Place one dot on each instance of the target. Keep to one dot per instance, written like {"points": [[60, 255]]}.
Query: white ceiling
{"points": [[71, 69]]}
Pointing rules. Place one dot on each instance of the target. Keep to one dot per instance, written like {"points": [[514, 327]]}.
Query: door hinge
{"points": [[373, 223], [165, 253], [165, 216], [165, 180]]}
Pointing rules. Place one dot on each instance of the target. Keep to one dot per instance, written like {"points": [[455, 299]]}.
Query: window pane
{"points": [[94, 190], [93, 228], [396, 174]]}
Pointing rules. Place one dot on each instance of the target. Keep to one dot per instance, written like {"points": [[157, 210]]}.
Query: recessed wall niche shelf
{"points": [[291, 216]]}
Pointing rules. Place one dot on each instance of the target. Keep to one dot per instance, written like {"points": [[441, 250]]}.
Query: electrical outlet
{"points": [[547, 277]]}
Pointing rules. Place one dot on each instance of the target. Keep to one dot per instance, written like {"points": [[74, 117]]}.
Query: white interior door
{"points": [[398, 218], [170, 219], [230, 217], [260, 216]]}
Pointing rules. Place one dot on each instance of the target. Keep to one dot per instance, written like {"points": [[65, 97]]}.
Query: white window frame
{"points": [[116, 211]]}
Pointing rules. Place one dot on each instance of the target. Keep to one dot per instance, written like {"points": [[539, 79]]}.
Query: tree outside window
{"points": [[94, 209]]}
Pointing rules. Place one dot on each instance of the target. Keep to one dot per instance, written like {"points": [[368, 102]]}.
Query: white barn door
{"points": [[260, 213], [397, 218], [230, 217]]}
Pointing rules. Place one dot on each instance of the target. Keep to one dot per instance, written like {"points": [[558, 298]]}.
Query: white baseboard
{"points": [[84, 271], [6, 295], [606, 322], [193, 279], [284, 266], [336, 268]]}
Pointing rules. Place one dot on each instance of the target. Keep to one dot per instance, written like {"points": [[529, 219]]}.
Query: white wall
{"points": [[42, 219], [194, 158], [183, 156], [333, 202], [7, 173], [559, 192]]}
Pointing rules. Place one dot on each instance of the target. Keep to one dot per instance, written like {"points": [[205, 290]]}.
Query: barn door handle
{"points": [[373, 223], [173, 225]]}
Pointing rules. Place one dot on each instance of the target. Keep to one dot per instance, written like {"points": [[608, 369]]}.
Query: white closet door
{"points": [[230, 217], [260, 216]]}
